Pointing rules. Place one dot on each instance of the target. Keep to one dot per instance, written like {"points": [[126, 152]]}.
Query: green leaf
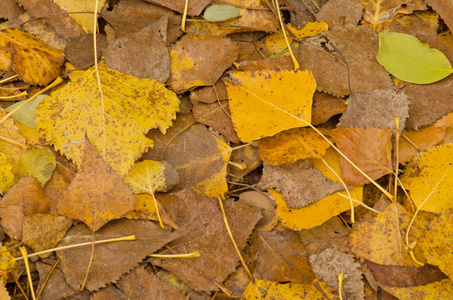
{"points": [[26, 114], [221, 12], [406, 58]]}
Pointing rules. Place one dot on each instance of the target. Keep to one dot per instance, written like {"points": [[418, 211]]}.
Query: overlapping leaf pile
{"points": [[329, 158]]}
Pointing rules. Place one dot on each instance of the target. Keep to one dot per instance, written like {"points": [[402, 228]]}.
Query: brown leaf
{"points": [[265, 204], [283, 63], [25, 198], [201, 217], [210, 94], [9, 9], [359, 46], [79, 51], [376, 109], [335, 10], [243, 161], [142, 54], [369, 149], [96, 195], [139, 284], [178, 5], [216, 115], [107, 265], [325, 106], [44, 231], [300, 183], [445, 9], [280, 256], [199, 61]]}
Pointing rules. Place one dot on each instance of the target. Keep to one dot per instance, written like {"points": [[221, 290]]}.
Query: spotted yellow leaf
{"points": [[115, 114]]}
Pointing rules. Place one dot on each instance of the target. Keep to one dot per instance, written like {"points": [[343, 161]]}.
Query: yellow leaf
{"points": [[35, 62], [291, 145], [430, 178], [39, 163], [6, 177], [7, 263], [12, 143], [84, 9], [274, 290], [436, 242], [115, 118], [442, 289], [332, 158], [317, 213], [263, 103]]}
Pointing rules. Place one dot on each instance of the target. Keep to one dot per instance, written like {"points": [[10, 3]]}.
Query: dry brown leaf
{"points": [[300, 183], [376, 109], [359, 46], [139, 284], [111, 260], [25, 198], [369, 149], [272, 63], [378, 11], [243, 161], [9, 9], [421, 24], [329, 263], [142, 54], [210, 94], [265, 204], [216, 115], [428, 102], [325, 106], [445, 9], [79, 51], [133, 15], [199, 157], [199, 61], [178, 5], [335, 10], [201, 217], [280, 256], [97, 194], [44, 231]]}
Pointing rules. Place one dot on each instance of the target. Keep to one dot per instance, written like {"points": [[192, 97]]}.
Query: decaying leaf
{"points": [[369, 149], [39, 163], [115, 116], [378, 11], [107, 267], [25, 198], [429, 179], [444, 9], [325, 106], [85, 9], [333, 11], [96, 195], [80, 51], [300, 183], [264, 103], [291, 145], [6, 177], [199, 61], [34, 62]]}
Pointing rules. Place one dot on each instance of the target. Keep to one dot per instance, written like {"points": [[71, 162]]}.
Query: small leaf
{"points": [[26, 114], [39, 163], [406, 58], [221, 12]]}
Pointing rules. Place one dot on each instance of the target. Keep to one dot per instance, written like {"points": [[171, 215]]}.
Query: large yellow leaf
{"points": [[430, 178], [115, 116], [35, 62], [265, 102]]}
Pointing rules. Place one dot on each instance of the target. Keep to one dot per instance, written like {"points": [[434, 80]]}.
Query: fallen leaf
{"points": [[6, 177], [3, 292], [79, 51], [26, 113], [376, 109], [358, 46], [85, 9], [326, 106], [199, 61], [406, 58], [369, 149], [300, 183], [210, 94], [421, 24], [142, 54], [216, 115], [280, 256], [39, 163], [378, 11], [13, 152], [7, 265], [381, 239], [9, 9], [178, 5], [201, 217], [25, 198], [329, 263], [438, 290], [247, 63], [258, 112], [34, 62], [44, 231], [291, 145], [444, 9], [106, 266], [335, 10], [220, 12], [197, 154], [275, 290], [115, 116], [428, 180], [317, 213], [265, 205], [243, 161], [96, 195]]}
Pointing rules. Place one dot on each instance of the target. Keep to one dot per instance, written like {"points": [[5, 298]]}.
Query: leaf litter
{"points": [[238, 105]]}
